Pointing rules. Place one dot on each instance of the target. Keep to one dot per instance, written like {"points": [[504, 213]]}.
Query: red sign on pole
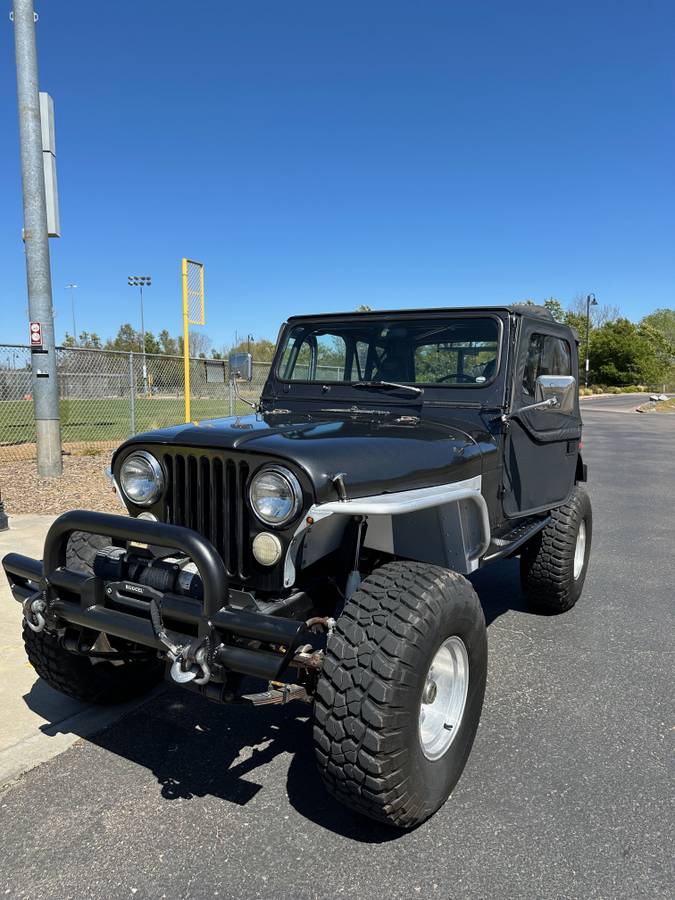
{"points": [[35, 334]]}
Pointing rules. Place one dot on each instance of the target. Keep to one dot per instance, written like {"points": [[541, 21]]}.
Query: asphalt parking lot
{"points": [[567, 793]]}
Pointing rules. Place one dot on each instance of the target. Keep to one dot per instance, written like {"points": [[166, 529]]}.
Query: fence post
{"points": [[132, 394], [4, 521]]}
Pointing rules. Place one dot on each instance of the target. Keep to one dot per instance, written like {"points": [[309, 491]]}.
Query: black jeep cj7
{"points": [[321, 544]]}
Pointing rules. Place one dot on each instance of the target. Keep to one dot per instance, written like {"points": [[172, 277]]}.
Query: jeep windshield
{"points": [[433, 351]]}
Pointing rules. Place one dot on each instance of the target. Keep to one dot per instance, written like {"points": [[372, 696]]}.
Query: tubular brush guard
{"points": [[217, 635]]}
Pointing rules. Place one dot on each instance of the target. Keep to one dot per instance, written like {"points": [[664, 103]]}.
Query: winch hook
{"points": [[33, 609]]}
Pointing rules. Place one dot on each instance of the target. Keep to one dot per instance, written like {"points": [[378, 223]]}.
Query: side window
{"points": [[318, 357], [546, 355], [331, 357]]}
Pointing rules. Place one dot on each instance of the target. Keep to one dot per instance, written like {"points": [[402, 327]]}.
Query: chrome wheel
{"points": [[580, 550], [444, 697]]}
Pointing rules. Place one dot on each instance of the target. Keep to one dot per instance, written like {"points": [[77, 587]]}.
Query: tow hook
{"points": [[33, 609], [182, 668], [181, 674]]}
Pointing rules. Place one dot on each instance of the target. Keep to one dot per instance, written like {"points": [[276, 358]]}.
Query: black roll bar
{"points": [[190, 543]]}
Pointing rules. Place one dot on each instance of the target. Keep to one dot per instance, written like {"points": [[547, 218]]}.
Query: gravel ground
{"points": [[84, 485]]}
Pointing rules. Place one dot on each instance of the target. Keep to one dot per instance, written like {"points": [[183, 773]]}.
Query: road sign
{"points": [[36, 334]]}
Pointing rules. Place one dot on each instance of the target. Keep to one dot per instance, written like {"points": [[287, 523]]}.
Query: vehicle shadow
{"points": [[498, 587], [196, 748]]}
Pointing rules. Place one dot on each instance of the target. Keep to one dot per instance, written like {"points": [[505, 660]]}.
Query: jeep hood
{"points": [[376, 454]]}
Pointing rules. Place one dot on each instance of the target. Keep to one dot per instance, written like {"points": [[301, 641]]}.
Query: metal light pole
{"points": [[36, 243], [71, 288], [590, 301], [141, 281]]}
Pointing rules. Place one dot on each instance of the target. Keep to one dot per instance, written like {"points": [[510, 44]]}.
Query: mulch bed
{"points": [[84, 485]]}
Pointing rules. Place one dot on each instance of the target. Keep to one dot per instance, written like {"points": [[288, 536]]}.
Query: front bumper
{"points": [[237, 640]]}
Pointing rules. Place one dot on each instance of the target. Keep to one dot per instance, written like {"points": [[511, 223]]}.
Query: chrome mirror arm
{"points": [[235, 386], [551, 402]]}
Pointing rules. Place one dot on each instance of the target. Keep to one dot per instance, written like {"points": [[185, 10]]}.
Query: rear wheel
{"points": [[554, 563], [401, 691]]}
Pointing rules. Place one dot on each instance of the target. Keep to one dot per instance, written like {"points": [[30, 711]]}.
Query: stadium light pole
{"points": [[36, 244], [590, 301], [141, 281], [71, 288]]}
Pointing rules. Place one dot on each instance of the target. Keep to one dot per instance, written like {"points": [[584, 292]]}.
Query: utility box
{"points": [[49, 164], [215, 371]]}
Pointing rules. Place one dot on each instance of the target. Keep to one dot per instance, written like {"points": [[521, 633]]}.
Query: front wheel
{"points": [[401, 692], [89, 680], [554, 563]]}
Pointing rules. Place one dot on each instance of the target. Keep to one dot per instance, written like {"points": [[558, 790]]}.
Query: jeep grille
{"points": [[206, 492]]}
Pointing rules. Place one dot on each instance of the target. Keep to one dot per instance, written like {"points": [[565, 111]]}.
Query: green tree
{"points": [[663, 322], [127, 339], [555, 307], [621, 354], [152, 345], [167, 344], [87, 341], [261, 350]]}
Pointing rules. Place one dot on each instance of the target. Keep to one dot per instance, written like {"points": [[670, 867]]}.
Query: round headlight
{"points": [[275, 495], [141, 478]]}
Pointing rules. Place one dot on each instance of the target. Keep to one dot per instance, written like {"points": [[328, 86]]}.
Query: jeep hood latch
{"points": [[338, 481]]}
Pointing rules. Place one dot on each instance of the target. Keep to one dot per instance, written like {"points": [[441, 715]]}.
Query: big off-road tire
{"points": [[554, 563], [92, 681], [401, 691], [81, 550]]}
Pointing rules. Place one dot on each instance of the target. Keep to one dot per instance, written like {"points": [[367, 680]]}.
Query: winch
{"points": [[164, 573]]}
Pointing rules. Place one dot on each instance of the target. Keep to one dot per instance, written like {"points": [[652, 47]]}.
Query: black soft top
{"points": [[519, 309]]}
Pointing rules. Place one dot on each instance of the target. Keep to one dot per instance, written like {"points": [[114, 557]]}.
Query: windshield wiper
{"points": [[387, 384]]}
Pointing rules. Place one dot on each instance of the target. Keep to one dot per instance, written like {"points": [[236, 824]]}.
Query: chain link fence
{"points": [[106, 396]]}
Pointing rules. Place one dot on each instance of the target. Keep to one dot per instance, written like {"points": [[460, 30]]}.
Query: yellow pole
{"points": [[186, 342]]}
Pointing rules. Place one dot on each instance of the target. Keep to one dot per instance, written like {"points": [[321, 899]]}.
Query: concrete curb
{"points": [[600, 396]]}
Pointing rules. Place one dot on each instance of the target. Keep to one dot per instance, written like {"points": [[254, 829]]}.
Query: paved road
{"points": [[567, 794]]}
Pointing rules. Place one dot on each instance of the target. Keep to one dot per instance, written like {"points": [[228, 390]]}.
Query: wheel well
{"points": [[581, 473]]}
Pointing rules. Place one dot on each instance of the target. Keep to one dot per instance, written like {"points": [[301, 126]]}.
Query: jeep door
{"points": [[541, 445]]}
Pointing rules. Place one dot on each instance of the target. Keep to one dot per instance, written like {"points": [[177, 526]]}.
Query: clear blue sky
{"points": [[317, 156]]}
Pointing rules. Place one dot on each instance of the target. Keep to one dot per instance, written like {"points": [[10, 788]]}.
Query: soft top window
{"points": [[451, 351], [546, 355]]}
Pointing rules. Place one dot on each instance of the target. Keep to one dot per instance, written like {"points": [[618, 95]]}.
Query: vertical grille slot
{"points": [[241, 478], [207, 493], [230, 515], [216, 525]]}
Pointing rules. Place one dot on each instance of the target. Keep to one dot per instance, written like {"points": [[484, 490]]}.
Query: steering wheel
{"points": [[460, 379]]}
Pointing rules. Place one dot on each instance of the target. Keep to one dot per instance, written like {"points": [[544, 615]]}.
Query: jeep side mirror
{"points": [[241, 367], [560, 388], [550, 392]]}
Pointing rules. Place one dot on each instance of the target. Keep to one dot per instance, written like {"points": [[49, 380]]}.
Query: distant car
{"points": [[321, 543]]}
